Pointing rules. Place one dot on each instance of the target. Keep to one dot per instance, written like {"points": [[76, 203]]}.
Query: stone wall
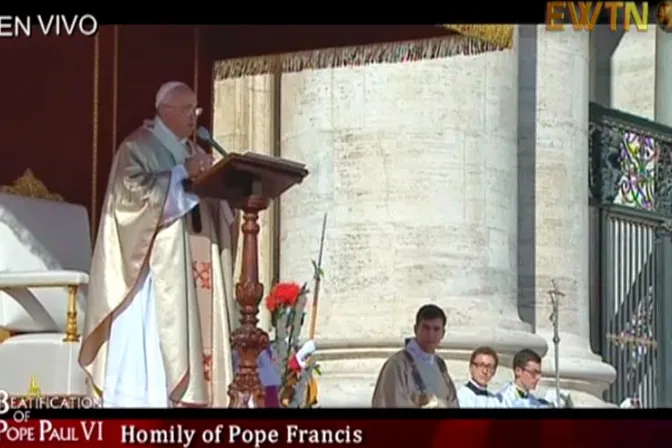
{"points": [[633, 69], [415, 163], [554, 84], [457, 180], [242, 121]]}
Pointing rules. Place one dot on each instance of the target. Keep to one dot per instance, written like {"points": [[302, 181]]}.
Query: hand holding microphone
{"points": [[197, 164]]}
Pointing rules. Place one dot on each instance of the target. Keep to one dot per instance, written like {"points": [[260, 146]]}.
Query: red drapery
{"points": [[69, 102]]}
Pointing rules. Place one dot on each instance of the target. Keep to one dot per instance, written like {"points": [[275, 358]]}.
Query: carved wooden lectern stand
{"points": [[248, 182]]}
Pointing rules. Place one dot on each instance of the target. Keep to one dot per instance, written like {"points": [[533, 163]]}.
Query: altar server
{"points": [[527, 373], [482, 367]]}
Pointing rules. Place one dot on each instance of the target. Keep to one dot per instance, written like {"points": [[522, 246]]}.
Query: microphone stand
{"points": [[555, 294], [195, 213]]}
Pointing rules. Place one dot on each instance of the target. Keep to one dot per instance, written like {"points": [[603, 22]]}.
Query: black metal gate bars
{"points": [[631, 190]]}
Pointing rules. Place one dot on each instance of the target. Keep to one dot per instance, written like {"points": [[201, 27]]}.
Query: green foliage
{"points": [[287, 323]]}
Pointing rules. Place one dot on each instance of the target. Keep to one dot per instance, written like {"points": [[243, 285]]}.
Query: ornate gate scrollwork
{"points": [[631, 183]]}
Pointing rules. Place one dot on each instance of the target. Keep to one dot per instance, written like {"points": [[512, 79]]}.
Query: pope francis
{"points": [[160, 301]]}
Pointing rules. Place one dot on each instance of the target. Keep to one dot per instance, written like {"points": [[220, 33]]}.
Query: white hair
{"points": [[164, 91]]}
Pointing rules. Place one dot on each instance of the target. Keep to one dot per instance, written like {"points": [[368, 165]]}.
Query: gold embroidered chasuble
{"points": [[192, 274]]}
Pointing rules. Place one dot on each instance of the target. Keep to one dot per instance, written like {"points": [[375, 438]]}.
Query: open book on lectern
{"points": [[272, 159]]}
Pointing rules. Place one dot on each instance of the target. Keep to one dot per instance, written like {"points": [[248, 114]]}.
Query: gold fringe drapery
{"points": [[500, 36], [386, 53]]}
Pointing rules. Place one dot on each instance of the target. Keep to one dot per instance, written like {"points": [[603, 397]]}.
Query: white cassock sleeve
{"points": [[466, 398], [509, 397], [178, 202]]}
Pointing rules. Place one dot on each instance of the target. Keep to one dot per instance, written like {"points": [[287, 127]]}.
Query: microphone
{"points": [[204, 135]]}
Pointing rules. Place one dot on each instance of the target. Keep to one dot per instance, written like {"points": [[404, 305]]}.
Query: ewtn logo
{"points": [[583, 16], [48, 25]]}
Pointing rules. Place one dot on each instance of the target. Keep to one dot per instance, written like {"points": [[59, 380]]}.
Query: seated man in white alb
{"points": [[527, 373], [482, 367], [161, 308]]}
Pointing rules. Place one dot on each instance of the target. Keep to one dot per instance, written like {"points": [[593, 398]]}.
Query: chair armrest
{"points": [[42, 279], [45, 279]]}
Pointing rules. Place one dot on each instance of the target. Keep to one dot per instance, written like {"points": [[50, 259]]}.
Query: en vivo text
{"points": [[48, 25]]}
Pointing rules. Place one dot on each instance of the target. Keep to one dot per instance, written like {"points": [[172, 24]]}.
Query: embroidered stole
{"points": [[421, 382], [200, 245]]}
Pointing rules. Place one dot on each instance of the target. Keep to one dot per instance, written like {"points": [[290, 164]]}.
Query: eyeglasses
{"points": [[187, 110], [488, 367], [533, 372]]}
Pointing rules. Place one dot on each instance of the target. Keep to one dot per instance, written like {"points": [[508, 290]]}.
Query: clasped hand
{"points": [[198, 163]]}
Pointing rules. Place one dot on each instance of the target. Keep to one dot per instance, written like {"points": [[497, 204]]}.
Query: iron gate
{"points": [[631, 184]]}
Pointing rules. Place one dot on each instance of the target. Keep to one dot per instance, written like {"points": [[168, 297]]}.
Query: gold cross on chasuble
{"points": [[200, 245]]}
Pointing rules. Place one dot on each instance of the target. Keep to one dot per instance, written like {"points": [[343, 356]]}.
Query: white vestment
{"points": [[135, 375], [471, 395], [514, 397]]}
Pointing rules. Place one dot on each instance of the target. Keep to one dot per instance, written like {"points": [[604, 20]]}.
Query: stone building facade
{"points": [[450, 174]]}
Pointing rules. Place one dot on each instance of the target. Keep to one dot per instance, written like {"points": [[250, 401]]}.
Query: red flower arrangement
{"points": [[283, 295], [287, 303]]}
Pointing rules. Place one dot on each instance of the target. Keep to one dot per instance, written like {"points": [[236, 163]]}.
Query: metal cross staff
{"points": [[555, 295], [311, 396], [317, 277]]}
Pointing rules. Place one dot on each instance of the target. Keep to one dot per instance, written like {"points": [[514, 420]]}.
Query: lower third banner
{"points": [[257, 433]]}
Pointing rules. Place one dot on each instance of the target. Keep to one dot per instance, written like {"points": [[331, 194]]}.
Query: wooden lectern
{"points": [[248, 182]]}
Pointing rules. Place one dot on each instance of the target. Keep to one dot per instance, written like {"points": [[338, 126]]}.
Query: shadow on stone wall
{"points": [[527, 118]]}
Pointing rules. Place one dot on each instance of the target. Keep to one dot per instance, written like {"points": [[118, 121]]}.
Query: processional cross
{"points": [[555, 294]]}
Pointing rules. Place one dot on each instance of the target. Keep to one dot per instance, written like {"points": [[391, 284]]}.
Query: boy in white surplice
{"points": [[527, 373], [482, 367]]}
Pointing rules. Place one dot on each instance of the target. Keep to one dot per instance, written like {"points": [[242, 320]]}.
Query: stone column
{"points": [[663, 93], [554, 203], [632, 71], [415, 163], [242, 121], [607, 46]]}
